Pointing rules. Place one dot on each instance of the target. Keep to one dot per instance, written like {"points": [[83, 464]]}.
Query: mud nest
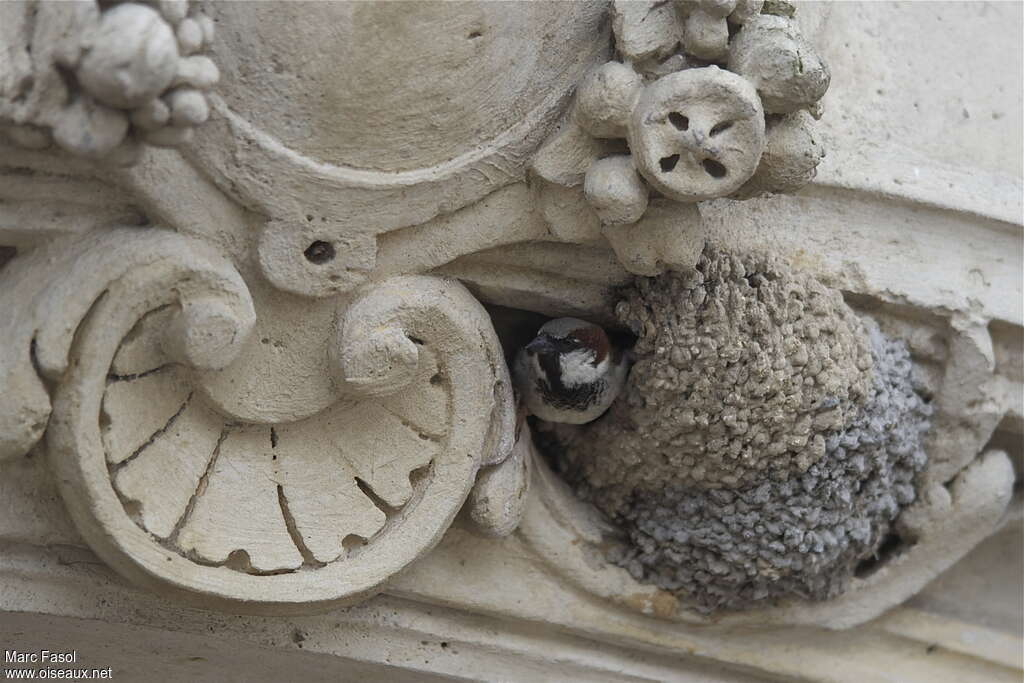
{"points": [[765, 442]]}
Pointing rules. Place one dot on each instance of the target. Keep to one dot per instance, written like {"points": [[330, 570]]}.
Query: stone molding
{"points": [[275, 306], [172, 492]]}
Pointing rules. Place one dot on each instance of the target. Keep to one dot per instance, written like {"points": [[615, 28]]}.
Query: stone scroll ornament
{"points": [[283, 422], [197, 455], [706, 99], [101, 79], [126, 331]]}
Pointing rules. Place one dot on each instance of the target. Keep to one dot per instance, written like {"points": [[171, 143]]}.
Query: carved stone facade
{"points": [[262, 267]]}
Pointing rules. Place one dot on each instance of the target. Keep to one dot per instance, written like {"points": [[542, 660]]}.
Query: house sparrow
{"points": [[570, 372]]}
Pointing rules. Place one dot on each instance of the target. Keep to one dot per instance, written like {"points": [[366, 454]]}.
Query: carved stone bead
{"points": [[188, 107], [151, 115], [605, 99], [787, 72], [133, 57], [173, 10], [208, 28], [645, 29], [90, 129], [190, 36], [706, 32], [197, 72], [615, 190], [791, 157], [697, 134], [745, 10]]}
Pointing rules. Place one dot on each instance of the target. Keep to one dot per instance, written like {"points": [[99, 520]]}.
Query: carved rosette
{"points": [[289, 439]]}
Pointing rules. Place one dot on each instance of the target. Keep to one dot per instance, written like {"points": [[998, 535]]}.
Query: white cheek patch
{"points": [[577, 368]]}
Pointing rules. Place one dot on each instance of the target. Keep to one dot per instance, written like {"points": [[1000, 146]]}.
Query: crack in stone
{"points": [[113, 378], [375, 499], [117, 467], [308, 559], [172, 540]]}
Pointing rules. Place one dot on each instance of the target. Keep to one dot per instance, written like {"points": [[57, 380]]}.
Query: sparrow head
{"points": [[578, 349], [570, 372]]}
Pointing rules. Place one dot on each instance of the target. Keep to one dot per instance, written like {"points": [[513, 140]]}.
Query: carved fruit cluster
{"points": [[130, 71], [712, 98]]}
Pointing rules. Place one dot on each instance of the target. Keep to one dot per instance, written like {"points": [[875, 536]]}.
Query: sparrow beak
{"points": [[541, 345]]}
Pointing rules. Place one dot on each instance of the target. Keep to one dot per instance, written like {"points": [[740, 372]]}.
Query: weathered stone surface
{"points": [[697, 134], [787, 72], [285, 248], [692, 131], [615, 190], [790, 159]]}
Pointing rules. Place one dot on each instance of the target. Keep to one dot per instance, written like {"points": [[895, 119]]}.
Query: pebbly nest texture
{"points": [[765, 442]]}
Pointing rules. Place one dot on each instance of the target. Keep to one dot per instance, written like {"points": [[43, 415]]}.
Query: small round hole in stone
{"points": [[713, 168], [679, 121], [668, 163], [720, 128], [319, 252]]}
